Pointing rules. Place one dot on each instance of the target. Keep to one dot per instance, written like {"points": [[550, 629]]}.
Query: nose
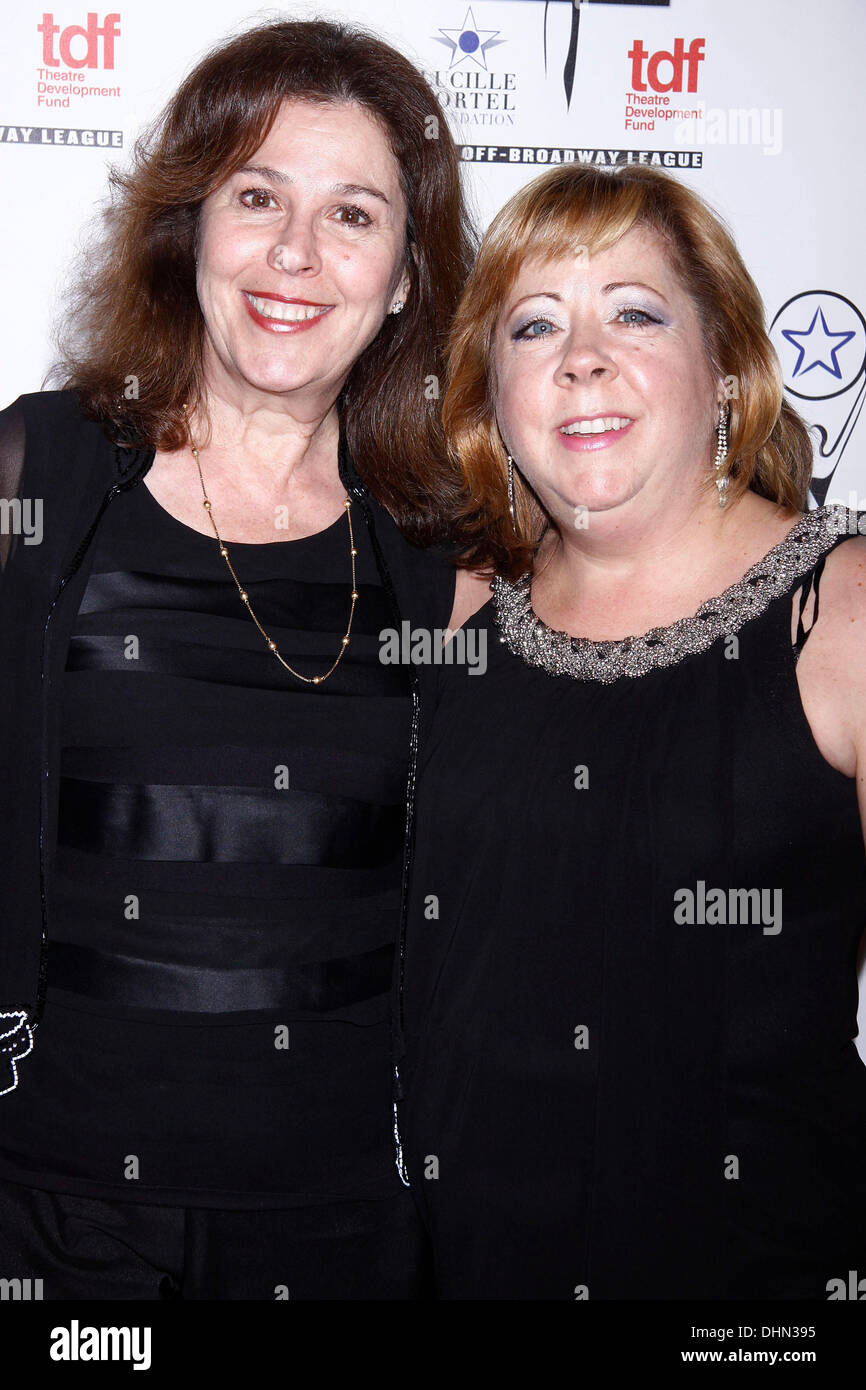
{"points": [[584, 358], [296, 252]]}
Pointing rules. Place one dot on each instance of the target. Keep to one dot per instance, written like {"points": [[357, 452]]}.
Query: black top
{"points": [[625, 1079], [226, 887]]}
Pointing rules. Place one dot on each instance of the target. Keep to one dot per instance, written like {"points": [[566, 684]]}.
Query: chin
{"points": [[601, 495], [282, 379], [593, 509]]}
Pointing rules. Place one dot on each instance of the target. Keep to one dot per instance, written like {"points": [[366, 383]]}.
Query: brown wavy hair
{"points": [[136, 311], [574, 206]]}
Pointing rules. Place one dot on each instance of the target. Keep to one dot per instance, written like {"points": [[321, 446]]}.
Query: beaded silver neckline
{"points": [[528, 637]]}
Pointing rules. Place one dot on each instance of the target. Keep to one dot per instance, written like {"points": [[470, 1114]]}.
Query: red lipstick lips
{"points": [[284, 325]]}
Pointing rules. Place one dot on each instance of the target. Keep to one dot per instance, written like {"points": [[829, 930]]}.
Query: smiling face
{"points": [[301, 254], [604, 395]]}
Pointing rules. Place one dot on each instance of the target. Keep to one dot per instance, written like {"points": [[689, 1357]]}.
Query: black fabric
{"points": [[306, 989], [49, 452], [298, 919], [246, 826], [706, 1135], [811, 588], [261, 825], [81, 1248]]}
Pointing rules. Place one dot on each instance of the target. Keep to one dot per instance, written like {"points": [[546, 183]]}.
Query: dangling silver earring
{"points": [[511, 491], [722, 482]]}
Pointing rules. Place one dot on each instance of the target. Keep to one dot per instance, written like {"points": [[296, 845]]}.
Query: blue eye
{"points": [[642, 314], [523, 330]]}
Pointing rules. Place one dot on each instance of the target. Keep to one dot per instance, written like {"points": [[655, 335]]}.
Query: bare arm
{"points": [[857, 668], [832, 669]]}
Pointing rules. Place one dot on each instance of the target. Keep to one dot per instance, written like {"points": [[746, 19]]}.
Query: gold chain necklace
{"points": [[245, 598]]}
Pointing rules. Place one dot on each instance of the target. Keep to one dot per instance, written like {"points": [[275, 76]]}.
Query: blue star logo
{"points": [[817, 346], [820, 364], [469, 44]]}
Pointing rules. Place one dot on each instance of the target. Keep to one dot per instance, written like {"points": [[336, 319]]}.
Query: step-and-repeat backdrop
{"points": [[757, 104]]}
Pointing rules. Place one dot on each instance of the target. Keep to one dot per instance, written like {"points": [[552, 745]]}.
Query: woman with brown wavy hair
{"points": [[629, 980], [204, 760]]}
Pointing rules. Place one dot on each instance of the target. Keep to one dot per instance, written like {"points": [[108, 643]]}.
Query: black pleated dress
{"points": [[630, 991]]}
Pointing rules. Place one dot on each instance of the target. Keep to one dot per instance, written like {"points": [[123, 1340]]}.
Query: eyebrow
{"points": [[605, 289], [263, 171]]}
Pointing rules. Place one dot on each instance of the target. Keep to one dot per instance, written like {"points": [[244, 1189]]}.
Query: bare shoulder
{"points": [[843, 594], [838, 641], [471, 593], [831, 671], [843, 606]]}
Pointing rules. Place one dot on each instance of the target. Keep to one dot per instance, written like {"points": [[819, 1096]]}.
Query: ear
{"points": [[402, 290]]}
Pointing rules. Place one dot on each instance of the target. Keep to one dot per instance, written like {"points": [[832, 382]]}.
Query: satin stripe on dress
{"points": [[318, 987], [310, 653], [224, 824], [288, 603]]}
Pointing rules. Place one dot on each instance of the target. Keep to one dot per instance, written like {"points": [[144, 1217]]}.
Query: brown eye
{"points": [[354, 217], [256, 198]]}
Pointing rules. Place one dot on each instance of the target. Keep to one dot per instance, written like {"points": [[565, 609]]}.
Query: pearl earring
{"points": [[722, 481]]}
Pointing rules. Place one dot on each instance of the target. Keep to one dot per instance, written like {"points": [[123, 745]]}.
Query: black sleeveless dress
{"points": [[227, 881], [630, 982]]}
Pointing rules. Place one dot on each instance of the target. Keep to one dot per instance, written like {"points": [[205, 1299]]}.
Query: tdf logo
{"points": [[664, 71], [108, 31]]}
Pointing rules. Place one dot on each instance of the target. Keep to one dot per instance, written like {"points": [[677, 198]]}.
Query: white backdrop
{"points": [[754, 103]]}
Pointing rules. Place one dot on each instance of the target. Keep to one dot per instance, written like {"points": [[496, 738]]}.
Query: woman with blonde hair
{"points": [[629, 981]]}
